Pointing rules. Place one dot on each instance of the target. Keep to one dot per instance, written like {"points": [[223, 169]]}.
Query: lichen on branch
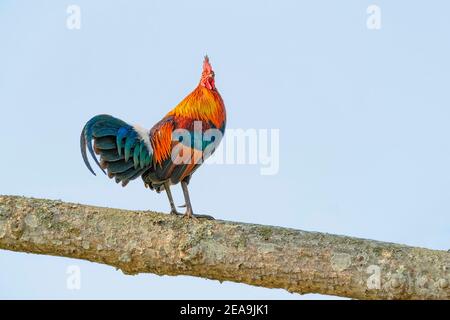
{"points": [[266, 256]]}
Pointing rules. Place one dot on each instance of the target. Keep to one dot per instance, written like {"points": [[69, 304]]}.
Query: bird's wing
{"points": [[190, 148], [125, 151]]}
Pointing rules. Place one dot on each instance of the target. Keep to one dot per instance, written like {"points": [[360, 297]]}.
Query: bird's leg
{"points": [[173, 209], [189, 212]]}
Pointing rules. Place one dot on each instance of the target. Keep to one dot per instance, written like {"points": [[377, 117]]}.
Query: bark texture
{"points": [[266, 256]]}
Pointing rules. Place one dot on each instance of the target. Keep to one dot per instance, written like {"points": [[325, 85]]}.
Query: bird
{"points": [[168, 153]]}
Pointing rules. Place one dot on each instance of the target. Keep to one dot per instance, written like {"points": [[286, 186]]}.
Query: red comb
{"points": [[206, 65]]}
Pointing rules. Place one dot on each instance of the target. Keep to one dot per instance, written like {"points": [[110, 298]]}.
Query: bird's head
{"points": [[207, 79]]}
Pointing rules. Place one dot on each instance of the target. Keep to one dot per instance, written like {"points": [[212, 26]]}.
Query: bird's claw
{"points": [[195, 217], [189, 214], [188, 217], [205, 216]]}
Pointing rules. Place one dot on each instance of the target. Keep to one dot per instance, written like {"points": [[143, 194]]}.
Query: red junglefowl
{"points": [[168, 153]]}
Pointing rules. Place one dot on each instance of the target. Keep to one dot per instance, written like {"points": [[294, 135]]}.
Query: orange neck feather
{"points": [[202, 104]]}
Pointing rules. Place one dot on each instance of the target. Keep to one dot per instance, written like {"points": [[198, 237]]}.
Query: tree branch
{"points": [[271, 257]]}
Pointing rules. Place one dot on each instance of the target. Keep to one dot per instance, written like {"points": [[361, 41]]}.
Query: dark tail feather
{"points": [[83, 151], [86, 141], [106, 125], [121, 149]]}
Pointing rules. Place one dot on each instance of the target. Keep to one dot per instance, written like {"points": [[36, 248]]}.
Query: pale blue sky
{"points": [[363, 118]]}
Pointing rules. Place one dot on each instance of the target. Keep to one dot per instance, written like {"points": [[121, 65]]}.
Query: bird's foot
{"points": [[175, 212], [190, 215], [204, 216]]}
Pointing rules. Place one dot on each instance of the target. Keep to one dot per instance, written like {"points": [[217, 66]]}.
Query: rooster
{"points": [[167, 154]]}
